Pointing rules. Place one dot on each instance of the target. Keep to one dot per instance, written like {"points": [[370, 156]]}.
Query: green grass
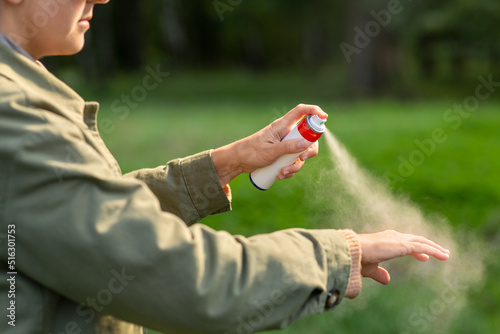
{"points": [[459, 180]]}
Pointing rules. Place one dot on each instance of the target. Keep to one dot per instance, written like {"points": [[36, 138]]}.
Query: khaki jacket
{"points": [[87, 250]]}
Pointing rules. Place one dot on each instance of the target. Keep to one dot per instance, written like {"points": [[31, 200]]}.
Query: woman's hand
{"points": [[265, 147], [387, 245]]}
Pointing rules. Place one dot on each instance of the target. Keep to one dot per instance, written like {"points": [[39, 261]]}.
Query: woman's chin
{"points": [[70, 49]]}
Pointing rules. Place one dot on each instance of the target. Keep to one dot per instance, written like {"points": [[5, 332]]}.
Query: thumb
{"points": [[292, 146], [382, 276]]}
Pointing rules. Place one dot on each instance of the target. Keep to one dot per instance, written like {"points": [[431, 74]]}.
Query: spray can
{"points": [[310, 128]]}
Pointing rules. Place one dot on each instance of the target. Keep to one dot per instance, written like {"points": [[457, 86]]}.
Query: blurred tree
{"points": [[454, 34], [450, 38], [371, 47], [130, 40]]}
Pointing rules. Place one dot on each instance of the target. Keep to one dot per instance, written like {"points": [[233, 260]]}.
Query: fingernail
{"points": [[281, 177], [305, 158], [286, 173], [303, 144]]}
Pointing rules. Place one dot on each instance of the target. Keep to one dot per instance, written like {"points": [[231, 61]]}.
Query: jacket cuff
{"points": [[202, 183], [355, 283]]}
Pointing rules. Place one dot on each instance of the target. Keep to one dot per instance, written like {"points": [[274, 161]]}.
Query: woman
{"points": [[92, 251]]}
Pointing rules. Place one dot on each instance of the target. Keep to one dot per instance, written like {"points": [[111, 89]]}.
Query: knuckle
{"points": [[391, 232], [274, 123], [312, 153], [422, 240]]}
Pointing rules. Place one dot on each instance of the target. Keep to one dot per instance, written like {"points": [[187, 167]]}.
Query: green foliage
{"points": [[443, 44]]}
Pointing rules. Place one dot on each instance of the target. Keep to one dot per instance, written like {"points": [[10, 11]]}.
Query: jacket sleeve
{"points": [[103, 241], [188, 187]]}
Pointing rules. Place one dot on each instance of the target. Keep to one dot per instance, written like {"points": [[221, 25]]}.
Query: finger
{"points": [[304, 109], [293, 168], [418, 248], [287, 121], [424, 240], [310, 153], [292, 146], [421, 245], [285, 176], [382, 276], [421, 257]]}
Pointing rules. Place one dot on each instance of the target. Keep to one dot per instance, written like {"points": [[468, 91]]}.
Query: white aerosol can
{"points": [[310, 128]]}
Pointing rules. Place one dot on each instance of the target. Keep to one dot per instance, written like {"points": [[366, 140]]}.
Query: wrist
{"points": [[355, 282], [226, 163]]}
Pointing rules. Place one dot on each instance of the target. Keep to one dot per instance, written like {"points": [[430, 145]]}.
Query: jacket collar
{"points": [[9, 43], [43, 89]]}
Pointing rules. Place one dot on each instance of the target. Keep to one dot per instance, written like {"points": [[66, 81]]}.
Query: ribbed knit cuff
{"points": [[354, 285], [227, 190]]}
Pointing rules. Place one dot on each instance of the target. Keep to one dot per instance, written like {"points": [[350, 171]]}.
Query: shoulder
{"points": [[16, 107], [16, 112], [26, 83], [11, 92], [30, 96], [25, 121]]}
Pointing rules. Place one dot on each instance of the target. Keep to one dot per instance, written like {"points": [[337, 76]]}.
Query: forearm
{"points": [[188, 187], [178, 278]]}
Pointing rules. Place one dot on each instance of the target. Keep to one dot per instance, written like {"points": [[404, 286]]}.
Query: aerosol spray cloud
{"points": [[355, 199]]}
